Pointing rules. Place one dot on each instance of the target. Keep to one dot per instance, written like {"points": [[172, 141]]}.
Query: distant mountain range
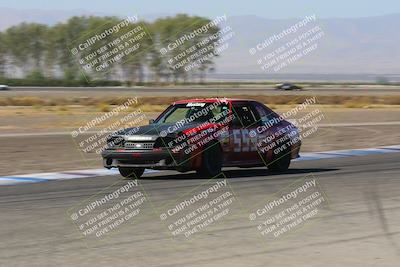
{"points": [[10, 16], [350, 45], [359, 45]]}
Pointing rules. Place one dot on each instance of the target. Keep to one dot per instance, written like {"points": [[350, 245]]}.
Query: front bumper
{"points": [[153, 159]]}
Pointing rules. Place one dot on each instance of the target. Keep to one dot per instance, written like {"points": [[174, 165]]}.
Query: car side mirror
{"points": [[151, 121]]}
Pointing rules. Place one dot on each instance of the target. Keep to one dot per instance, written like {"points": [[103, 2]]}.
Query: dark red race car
{"points": [[205, 135]]}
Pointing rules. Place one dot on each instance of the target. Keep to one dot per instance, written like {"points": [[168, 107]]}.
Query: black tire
{"points": [[211, 161], [281, 162], [132, 173]]}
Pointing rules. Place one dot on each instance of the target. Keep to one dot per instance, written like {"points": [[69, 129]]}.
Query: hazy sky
{"points": [[211, 8]]}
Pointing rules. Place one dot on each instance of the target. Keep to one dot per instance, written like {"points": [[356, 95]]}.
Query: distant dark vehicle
{"points": [[288, 86], [4, 87]]}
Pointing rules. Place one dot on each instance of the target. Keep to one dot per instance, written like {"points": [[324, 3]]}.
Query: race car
{"points": [[4, 87], [204, 135], [288, 87]]}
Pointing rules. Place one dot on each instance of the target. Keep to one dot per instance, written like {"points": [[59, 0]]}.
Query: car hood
{"points": [[156, 130]]}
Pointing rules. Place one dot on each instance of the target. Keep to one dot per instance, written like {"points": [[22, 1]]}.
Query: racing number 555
{"points": [[253, 131], [245, 121]]}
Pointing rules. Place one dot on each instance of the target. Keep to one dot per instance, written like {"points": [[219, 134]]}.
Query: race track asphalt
{"points": [[359, 227]]}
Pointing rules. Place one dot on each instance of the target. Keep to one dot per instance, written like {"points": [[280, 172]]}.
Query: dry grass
{"points": [[152, 108], [351, 104], [158, 103], [63, 108], [103, 107]]}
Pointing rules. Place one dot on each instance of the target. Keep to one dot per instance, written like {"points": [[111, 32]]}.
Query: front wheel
{"points": [[281, 163], [211, 161], [132, 173]]}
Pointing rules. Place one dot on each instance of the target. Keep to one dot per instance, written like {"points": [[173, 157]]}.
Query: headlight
{"points": [[115, 141]]}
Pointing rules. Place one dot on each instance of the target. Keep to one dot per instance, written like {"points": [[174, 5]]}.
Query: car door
{"points": [[268, 131], [242, 142]]}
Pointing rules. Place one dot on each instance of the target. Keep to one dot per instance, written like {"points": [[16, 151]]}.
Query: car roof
{"points": [[210, 100]]}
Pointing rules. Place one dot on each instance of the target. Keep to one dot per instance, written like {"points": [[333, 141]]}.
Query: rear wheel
{"points": [[131, 173], [281, 163], [211, 161]]}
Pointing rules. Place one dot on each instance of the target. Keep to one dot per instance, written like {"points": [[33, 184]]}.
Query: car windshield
{"points": [[194, 112]]}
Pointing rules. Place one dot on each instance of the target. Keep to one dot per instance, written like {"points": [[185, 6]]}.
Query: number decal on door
{"points": [[243, 142], [237, 141]]}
